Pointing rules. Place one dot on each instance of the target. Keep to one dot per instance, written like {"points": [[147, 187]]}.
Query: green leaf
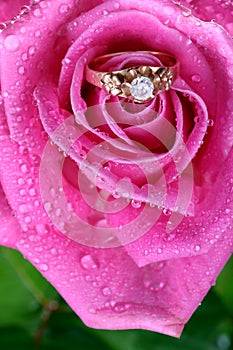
{"points": [[12, 338], [22, 289]]}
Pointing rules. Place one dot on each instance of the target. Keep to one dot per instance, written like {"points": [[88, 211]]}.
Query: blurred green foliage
{"points": [[33, 316]]}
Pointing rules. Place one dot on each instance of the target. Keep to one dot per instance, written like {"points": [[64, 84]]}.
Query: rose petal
{"points": [[219, 11], [11, 8], [194, 235], [19, 45], [10, 229], [119, 293]]}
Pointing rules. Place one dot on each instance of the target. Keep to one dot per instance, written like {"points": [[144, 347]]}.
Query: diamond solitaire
{"points": [[142, 89]]}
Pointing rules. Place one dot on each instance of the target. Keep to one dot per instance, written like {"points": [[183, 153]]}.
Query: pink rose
{"points": [[125, 208]]}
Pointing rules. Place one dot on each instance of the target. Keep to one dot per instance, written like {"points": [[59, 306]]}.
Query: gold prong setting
{"points": [[140, 84]]}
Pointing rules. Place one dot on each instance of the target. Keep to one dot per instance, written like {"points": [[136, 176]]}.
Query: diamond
{"points": [[142, 88]]}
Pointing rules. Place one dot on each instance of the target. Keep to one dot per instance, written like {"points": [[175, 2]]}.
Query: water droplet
{"points": [[121, 307], [24, 56], [63, 9], [105, 12], [92, 310], [167, 211], [54, 251], [21, 70], [5, 94], [23, 30], [210, 122], [186, 12], [115, 194], [136, 204], [42, 229], [116, 5], [12, 43], [48, 206], [22, 192], [196, 78], [88, 262], [20, 181], [106, 291], [197, 248], [156, 286], [24, 10], [23, 208], [43, 267], [159, 250], [67, 60], [27, 220], [169, 236], [197, 119], [37, 33], [32, 50], [37, 13], [43, 4], [32, 192], [2, 26], [24, 168]]}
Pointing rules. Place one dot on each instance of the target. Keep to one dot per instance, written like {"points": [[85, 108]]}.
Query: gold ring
{"points": [[138, 83]]}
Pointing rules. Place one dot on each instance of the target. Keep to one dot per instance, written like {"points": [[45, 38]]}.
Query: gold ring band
{"points": [[137, 83]]}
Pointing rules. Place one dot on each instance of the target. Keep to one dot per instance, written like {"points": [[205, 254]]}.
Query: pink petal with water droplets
{"points": [[10, 229], [209, 10], [11, 8], [194, 235], [44, 55], [119, 293]]}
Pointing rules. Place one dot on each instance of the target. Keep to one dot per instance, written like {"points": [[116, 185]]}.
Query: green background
{"points": [[33, 316]]}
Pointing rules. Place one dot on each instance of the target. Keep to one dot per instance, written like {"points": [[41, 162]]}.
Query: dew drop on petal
{"points": [[3, 25], [136, 204], [156, 286], [37, 13], [43, 4], [21, 70], [23, 208], [210, 122], [43, 267], [24, 168], [42, 229], [116, 5], [121, 307], [196, 78], [106, 291], [24, 56], [37, 33], [88, 262], [197, 248], [63, 9], [32, 50], [12, 43], [92, 310], [167, 211]]}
